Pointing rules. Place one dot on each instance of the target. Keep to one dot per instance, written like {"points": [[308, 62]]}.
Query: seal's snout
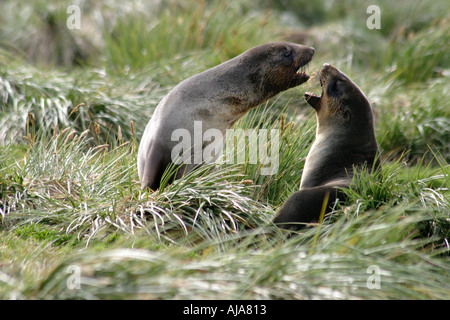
{"points": [[307, 52], [326, 73], [303, 55], [328, 70]]}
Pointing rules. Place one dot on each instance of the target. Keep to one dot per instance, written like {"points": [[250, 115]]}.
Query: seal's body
{"points": [[216, 98], [345, 140]]}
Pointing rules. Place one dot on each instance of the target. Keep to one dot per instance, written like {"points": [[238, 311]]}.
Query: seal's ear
{"points": [[347, 115], [314, 101]]}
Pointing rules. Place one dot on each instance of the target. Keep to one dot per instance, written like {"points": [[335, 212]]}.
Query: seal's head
{"points": [[277, 66], [342, 102]]}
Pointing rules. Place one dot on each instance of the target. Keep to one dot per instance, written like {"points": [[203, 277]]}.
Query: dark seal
{"points": [[345, 141], [215, 99]]}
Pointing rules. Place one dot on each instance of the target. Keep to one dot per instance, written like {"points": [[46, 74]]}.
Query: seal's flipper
{"points": [[305, 206], [154, 166]]}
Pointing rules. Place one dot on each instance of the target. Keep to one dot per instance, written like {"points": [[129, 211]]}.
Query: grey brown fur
{"points": [[345, 139], [218, 97]]}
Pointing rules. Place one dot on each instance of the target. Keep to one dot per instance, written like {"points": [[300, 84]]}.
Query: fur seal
{"points": [[216, 98], [345, 140]]}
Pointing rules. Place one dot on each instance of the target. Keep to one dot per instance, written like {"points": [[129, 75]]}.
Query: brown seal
{"points": [[345, 140], [214, 100]]}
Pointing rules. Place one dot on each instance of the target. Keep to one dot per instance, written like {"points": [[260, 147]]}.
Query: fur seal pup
{"points": [[345, 139], [215, 99]]}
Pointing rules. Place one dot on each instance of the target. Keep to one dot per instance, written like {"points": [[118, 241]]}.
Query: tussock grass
{"points": [[335, 268], [212, 205], [52, 99], [38, 32], [62, 174], [86, 189], [160, 34], [421, 120], [72, 113], [212, 214], [417, 57]]}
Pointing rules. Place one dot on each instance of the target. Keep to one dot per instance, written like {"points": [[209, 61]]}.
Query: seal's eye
{"points": [[287, 54]]}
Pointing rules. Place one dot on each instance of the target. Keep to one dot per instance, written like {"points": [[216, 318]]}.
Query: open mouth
{"points": [[312, 98], [325, 75], [300, 76], [309, 95], [301, 73], [298, 72]]}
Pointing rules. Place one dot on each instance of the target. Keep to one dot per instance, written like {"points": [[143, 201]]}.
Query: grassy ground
{"points": [[74, 103]]}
